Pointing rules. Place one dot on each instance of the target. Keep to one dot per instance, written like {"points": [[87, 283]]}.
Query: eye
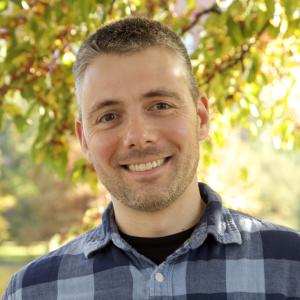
{"points": [[109, 117], [161, 106]]}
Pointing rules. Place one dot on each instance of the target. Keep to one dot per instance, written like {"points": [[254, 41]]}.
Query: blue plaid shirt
{"points": [[228, 256]]}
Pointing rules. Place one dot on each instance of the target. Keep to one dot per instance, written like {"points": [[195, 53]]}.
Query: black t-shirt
{"points": [[158, 249]]}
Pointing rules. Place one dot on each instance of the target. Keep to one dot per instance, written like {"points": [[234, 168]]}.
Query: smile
{"points": [[146, 166]]}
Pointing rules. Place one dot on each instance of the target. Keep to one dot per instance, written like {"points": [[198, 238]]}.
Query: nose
{"points": [[138, 132]]}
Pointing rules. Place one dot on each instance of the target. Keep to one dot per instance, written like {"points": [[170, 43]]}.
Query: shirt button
{"points": [[159, 277]]}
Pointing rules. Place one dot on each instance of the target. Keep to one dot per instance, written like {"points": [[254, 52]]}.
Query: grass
{"points": [[14, 257], [10, 252], [6, 271]]}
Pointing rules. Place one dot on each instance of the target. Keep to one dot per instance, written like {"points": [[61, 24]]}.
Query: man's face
{"points": [[140, 128]]}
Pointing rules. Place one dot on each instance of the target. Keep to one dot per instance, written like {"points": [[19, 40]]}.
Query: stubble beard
{"points": [[153, 197]]}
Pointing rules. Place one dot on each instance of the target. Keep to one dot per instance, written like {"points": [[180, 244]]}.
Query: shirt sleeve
{"points": [[9, 293]]}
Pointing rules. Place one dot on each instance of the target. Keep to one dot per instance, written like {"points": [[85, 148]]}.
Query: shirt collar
{"points": [[216, 220], [100, 236]]}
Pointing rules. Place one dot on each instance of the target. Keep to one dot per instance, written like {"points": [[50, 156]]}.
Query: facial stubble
{"points": [[154, 196]]}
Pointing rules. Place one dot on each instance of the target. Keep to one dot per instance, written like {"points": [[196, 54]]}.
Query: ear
{"points": [[81, 137], [203, 114]]}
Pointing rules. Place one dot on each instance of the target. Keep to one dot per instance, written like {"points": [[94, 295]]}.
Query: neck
{"points": [[181, 215]]}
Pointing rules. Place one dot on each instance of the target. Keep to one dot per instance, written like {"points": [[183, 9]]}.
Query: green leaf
{"points": [[79, 169], [237, 8], [3, 5], [47, 15], [254, 68], [38, 153], [219, 138], [1, 118], [28, 92], [138, 3], [59, 159], [270, 8], [21, 123], [273, 31], [244, 173], [250, 27], [293, 28], [85, 9], [35, 28], [234, 31], [290, 7], [11, 109], [18, 2]]}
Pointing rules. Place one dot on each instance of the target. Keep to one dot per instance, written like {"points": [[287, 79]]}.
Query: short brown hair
{"points": [[131, 34]]}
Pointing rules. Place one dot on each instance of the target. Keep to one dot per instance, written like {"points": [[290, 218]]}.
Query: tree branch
{"points": [[111, 7], [213, 9], [239, 58]]}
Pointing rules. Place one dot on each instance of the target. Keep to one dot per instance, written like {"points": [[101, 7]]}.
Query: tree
{"points": [[241, 52], [245, 55], [35, 205]]}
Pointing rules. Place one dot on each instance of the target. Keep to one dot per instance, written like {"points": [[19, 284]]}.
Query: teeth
{"points": [[147, 166]]}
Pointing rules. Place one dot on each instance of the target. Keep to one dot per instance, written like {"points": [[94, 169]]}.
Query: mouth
{"points": [[146, 166]]}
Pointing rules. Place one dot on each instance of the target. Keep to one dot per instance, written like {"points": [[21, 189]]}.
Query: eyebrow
{"points": [[150, 94], [162, 93], [101, 105]]}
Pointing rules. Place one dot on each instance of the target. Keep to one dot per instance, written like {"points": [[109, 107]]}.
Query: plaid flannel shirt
{"points": [[228, 256]]}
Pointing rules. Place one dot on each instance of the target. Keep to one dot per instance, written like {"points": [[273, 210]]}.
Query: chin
{"points": [[148, 203]]}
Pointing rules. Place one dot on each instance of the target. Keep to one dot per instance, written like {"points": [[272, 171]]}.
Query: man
{"points": [[164, 236]]}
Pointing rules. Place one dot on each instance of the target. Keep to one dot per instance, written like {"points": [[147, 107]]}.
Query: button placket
{"points": [[159, 277], [159, 284]]}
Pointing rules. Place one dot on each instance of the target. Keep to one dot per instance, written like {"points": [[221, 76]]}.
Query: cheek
{"points": [[102, 147], [181, 131]]}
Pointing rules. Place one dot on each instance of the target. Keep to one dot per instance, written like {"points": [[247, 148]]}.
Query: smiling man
{"points": [[164, 235], [140, 104]]}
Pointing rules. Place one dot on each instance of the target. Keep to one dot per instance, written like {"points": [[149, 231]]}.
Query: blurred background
{"points": [[246, 58]]}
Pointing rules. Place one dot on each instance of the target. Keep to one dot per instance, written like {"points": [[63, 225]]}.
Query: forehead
{"points": [[115, 75]]}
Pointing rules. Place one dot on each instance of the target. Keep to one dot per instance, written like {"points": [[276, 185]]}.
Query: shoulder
{"points": [[277, 242], [47, 269]]}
